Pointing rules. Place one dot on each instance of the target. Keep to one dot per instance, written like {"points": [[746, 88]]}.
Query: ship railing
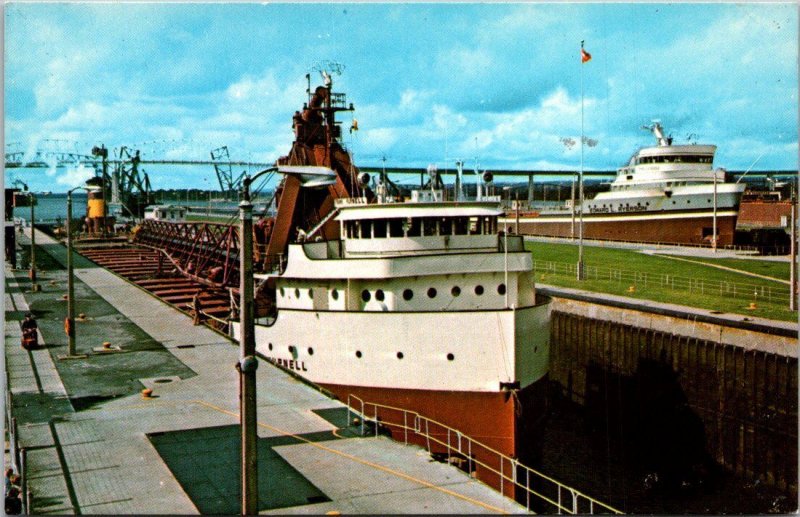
{"points": [[770, 293], [479, 461]]}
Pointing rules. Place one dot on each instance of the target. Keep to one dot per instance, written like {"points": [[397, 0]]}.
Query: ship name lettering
{"points": [[291, 364]]}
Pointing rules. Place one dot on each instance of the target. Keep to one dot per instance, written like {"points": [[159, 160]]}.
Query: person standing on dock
{"points": [[197, 304]]}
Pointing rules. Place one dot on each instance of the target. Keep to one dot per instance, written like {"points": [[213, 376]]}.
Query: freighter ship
{"points": [[419, 303], [665, 194]]}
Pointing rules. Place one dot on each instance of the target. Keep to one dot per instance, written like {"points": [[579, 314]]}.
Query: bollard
{"points": [[147, 393]]}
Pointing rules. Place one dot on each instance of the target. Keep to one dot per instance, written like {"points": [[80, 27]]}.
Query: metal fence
{"points": [[776, 293], [538, 491]]}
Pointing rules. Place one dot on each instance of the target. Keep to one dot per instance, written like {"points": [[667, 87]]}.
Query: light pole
{"points": [[714, 229], [248, 364], [69, 323], [32, 273], [793, 252]]}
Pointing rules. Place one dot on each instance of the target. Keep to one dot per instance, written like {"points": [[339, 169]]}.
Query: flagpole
{"points": [[580, 186]]}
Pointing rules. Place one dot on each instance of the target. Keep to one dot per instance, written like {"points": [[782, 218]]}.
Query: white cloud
{"points": [[75, 176]]}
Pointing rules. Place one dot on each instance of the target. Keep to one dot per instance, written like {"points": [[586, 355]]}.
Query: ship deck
{"points": [[93, 444]]}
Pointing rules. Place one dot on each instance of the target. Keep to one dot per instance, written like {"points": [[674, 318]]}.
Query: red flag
{"points": [[585, 56]]}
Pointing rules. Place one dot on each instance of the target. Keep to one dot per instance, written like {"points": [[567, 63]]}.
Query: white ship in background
{"points": [[666, 193]]}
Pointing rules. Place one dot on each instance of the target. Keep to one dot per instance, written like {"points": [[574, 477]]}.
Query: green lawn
{"points": [[662, 279], [762, 267]]}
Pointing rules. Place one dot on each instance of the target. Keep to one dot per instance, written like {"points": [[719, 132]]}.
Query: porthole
{"points": [[335, 294], [450, 357], [708, 200], [311, 293], [479, 290], [455, 291], [297, 293], [291, 349], [358, 354], [365, 295], [269, 346], [399, 355], [432, 292], [282, 292], [501, 289], [310, 351], [688, 201], [379, 295], [408, 294]]}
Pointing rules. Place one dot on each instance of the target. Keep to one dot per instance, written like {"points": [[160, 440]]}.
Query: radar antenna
{"points": [[326, 69]]}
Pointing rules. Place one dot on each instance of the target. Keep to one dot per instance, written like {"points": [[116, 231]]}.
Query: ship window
{"points": [[297, 293], [461, 224], [282, 292], [450, 357], [310, 351], [334, 294], [365, 295], [356, 229], [399, 355], [708, 201], [455, 291], [429, 226], [479, 290], [269, 346], [432, 292], [474, 226], [395, 227], [311, 293], [501, 289], [446, 226], [408, 294], [379, 228], [358, 354], [414, 228], [291, 349], [379, 295], [688, 201]]}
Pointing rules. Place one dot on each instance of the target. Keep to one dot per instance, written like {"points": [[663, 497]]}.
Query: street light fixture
{"points": [[69, 323]]}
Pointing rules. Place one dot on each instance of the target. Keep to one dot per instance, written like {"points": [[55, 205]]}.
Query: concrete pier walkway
{"points": [[94, 445]]}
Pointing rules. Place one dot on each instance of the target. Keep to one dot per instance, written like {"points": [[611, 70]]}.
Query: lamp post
{"points": [[247, 359], [32, 272], [248, 364], [714, 229], [69, 323], [793, 251]]}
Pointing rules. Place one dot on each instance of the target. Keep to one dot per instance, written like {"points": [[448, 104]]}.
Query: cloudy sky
{"points": [[431, 83]]}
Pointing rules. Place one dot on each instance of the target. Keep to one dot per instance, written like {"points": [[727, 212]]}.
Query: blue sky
{"points": [[431, 83]]}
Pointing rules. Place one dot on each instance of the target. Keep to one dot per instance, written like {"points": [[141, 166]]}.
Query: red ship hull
{"points": [[691, 230], [509, 423]]}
